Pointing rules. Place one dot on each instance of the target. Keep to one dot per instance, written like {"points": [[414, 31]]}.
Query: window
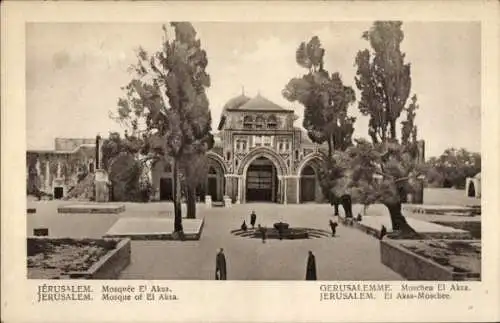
{"points": [[287, 146], [297, 154], [228, 155], [257, 141], [267, 141], [259, 122], [272, 123], [247, 122], [280, 146], [241, 145]]}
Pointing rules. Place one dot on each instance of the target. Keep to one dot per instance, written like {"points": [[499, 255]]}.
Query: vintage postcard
{"points": [[250, 161]]}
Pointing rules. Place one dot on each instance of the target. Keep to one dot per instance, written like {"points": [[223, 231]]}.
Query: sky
{"points": [[74, 72]]}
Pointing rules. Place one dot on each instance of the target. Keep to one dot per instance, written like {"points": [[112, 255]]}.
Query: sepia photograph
{"points": [[259, 151], [250, 161]]}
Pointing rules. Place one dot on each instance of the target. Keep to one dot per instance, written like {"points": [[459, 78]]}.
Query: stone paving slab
{"points": [[92, 208], [373, 224], [154, 228], [437, 209]]}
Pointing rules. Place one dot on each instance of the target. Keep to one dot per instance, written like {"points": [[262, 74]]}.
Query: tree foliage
{"points": [[452, 168], [121, 158], [166, 103], [325, 99], [383, 78], [386, 170]]}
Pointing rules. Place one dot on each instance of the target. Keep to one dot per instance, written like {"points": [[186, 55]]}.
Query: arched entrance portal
{"points": [[309, 188], [214, 183], [308, 185], [261, 181]]}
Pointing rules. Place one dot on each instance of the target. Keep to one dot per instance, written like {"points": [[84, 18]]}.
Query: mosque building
{"points": [[258, 156]]}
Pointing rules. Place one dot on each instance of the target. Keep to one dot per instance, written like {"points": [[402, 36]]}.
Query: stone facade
{"points": [[259, 155], [56, 171]]}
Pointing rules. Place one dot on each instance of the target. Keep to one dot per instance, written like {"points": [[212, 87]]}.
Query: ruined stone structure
{"points": [[56, 171]]}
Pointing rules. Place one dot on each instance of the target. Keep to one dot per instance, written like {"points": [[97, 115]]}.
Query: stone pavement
{"points": [[351, 255]]}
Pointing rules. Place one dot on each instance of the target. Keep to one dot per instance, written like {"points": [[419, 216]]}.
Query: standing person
{"points": [[220, 266], [263, 233], [311, 267], [333, 226], [253, 219]]}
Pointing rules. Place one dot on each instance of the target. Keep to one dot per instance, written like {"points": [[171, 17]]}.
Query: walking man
{"points": [[253, 219], [311, 267], [220, 266]]}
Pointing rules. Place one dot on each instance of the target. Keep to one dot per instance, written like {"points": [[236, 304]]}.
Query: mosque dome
{"points": [[236, 102]]}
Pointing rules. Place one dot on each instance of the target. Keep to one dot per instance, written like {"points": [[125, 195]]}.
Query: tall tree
{"points": [[166, 103], [452, 167], [384, 81], [325, 99], [121, 158]]}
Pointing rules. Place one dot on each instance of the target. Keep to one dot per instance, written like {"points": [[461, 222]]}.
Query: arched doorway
{"points": [[261, 181], [471, 191], [214, 183], [308, 184]]}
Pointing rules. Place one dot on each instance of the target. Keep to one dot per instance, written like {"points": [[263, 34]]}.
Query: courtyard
{"points": [[350, 255]]}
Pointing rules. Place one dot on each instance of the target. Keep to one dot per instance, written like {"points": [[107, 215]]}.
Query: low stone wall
{"points": [[92, 208], [474, 227], [460, 235], [110, 266], [415, 267]]}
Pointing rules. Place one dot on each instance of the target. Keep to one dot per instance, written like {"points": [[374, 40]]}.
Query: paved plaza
{"points": [[351, 255]]}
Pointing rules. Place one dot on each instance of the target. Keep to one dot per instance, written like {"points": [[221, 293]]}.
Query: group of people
{"points": [[263, 230], [253, 220], [221, 268]]}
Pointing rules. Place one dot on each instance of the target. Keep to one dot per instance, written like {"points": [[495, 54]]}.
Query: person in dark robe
{"points": [[311, 267], [244, 226], [346, 202], [220, 266], [253, 219], [383, 232], [334, 201], [263, 233], [333, 226]]}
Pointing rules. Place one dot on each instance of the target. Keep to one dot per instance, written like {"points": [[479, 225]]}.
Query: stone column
{"points": [[58, 169], [47, 176], [285, 191], [298, 189], [239, 197], [38, 168], [101, 186]]}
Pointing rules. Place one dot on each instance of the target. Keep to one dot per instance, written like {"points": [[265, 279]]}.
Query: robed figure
{"points": [[311, 267], [253, 219], [220, 266]]}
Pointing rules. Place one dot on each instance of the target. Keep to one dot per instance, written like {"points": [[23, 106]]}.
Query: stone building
{"points": [[56, 171], [473, 186], [259, 155]]}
